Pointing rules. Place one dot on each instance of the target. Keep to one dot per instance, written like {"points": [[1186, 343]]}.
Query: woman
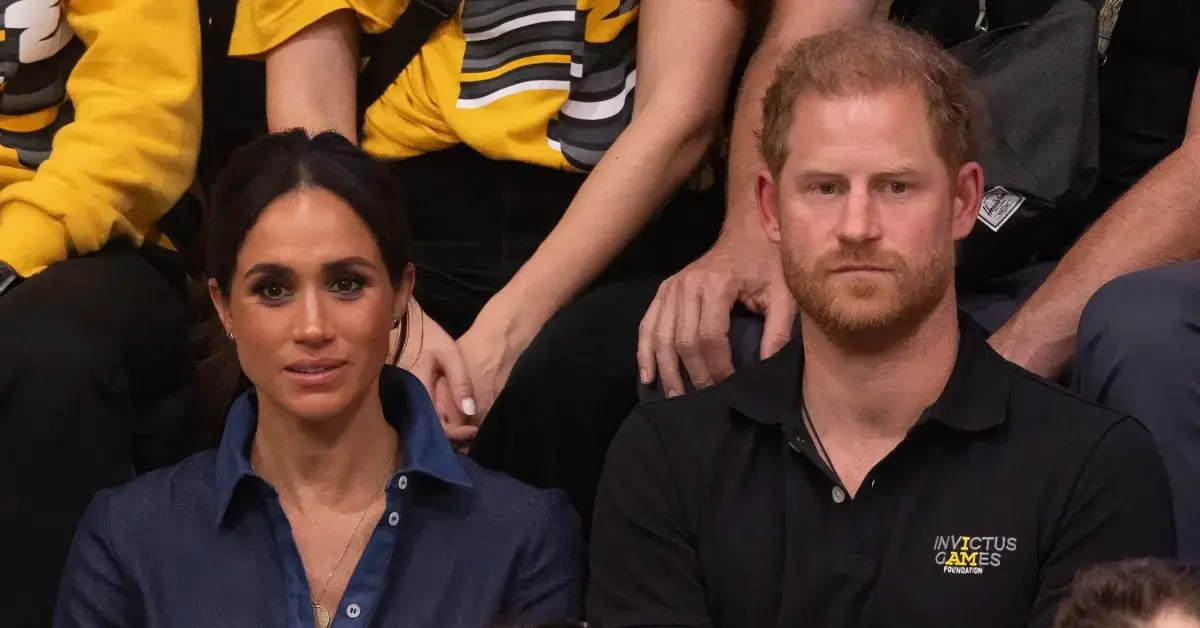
{"points": [[334, 496], [495, 123]]}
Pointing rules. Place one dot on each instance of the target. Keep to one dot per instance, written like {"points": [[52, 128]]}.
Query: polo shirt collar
{"points": [[975, 397], [406, 406]]}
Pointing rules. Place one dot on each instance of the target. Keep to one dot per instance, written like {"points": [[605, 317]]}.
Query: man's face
{"points": [[866, 213]]}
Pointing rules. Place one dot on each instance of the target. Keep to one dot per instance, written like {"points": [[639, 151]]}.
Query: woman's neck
{"points": [[338, 463]]}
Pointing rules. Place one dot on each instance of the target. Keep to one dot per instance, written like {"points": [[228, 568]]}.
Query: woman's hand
{"points": [[489, 358], [431, 354]]}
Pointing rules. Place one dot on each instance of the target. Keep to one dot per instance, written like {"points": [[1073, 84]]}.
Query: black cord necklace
{"points": [[812, 429]]}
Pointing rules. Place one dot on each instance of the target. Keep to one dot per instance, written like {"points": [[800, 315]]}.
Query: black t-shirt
{"points": [[1145, 83]]}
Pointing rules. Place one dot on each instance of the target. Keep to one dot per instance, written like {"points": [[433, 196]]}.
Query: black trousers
{"points": [[88, 347], [475, 222]]}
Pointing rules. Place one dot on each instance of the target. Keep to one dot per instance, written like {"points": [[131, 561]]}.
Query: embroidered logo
{"points": [[971, 555]]}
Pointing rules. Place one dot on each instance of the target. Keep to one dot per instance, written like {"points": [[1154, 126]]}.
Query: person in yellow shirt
{"points": [[539, 142], [99, 134]]}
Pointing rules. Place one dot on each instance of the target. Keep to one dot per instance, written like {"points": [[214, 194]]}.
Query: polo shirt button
{"points": [[839, 495], [353, 611], [393, 519], [402, 483]]}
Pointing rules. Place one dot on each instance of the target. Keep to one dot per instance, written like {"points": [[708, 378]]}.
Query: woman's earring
{"points": [[230, 335], [395, 323]]}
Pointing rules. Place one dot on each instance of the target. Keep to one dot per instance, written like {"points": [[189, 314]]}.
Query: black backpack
{"points": [[1041, 157]]}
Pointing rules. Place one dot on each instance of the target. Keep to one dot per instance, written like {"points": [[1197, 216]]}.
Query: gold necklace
{"points": [[321, 614]]}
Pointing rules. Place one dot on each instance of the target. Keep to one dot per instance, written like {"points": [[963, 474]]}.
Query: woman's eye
{"points": [[272, 292], [347, 284]]}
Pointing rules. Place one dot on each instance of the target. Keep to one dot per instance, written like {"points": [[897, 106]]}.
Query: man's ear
{"points": [[767, 196], [221, 305], [968, 194]]}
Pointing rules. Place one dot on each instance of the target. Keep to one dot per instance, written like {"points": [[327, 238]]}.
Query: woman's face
{"points": [[311, 306]]}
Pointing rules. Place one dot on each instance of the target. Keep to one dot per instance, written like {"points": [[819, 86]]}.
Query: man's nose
{"points": [[859, 219]]}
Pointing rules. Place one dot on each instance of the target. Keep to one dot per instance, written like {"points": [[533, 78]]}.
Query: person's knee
{"points": [[1138, 315], [53, 362]]}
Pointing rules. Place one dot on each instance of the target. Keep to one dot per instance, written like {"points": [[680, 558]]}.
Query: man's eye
{"points": [[826, 188], [897, 187]]}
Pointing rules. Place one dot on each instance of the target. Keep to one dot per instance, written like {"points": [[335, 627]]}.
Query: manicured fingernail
{"points": [[468, 406], [644, 376]]}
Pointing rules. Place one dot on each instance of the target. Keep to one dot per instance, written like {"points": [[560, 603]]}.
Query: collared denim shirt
{"points": [[206, 543]]}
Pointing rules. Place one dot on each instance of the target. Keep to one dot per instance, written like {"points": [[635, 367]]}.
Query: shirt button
{"points": [[839, 495], [393, 519], [353, 611], [402, 482]]}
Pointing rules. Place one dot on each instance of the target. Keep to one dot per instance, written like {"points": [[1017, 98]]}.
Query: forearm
{"points": [[742, 224], [298, 97], [1153, 224], [790, 22], [637, 175]]}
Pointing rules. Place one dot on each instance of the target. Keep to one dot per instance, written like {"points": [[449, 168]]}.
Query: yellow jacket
{"points": [[99, 123]]}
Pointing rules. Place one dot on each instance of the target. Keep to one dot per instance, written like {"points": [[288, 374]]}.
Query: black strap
{"points": [[396, 47]]}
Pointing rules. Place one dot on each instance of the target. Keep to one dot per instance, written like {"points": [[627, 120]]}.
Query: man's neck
{"points": [[340, 460], [879, 392]]}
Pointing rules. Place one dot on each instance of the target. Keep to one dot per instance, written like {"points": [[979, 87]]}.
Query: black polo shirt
{"points": [[714, 509]]}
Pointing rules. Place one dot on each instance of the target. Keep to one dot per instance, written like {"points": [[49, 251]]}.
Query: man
{"points": [[574, 384], [99, 132], [1133, 347], [891, 468]]}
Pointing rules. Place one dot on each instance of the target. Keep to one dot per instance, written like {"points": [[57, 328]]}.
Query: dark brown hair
{"points": [[258, 174], [1128, 594], [867, 60]]}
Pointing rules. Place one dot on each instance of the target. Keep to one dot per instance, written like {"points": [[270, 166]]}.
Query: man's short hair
{"points": [[1128, 594], [869, 59]]}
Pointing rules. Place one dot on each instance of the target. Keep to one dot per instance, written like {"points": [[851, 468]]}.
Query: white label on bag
{"points": [[998, 206]]}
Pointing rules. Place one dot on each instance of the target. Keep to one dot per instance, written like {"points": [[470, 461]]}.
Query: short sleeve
{"points": [[1120, 508], [548, 585], [263, 25], [645, 570]]}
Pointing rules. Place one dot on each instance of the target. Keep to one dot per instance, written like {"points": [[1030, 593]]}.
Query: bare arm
{"points": [[790, 22], [298, 96], [689, 318], [686, 50], [1152, 224]]}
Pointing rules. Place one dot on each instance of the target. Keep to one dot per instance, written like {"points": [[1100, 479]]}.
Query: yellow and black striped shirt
{"points": [[547, 82]]}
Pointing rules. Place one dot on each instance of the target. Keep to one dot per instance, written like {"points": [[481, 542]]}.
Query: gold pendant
{"points": [[322, 616]]}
